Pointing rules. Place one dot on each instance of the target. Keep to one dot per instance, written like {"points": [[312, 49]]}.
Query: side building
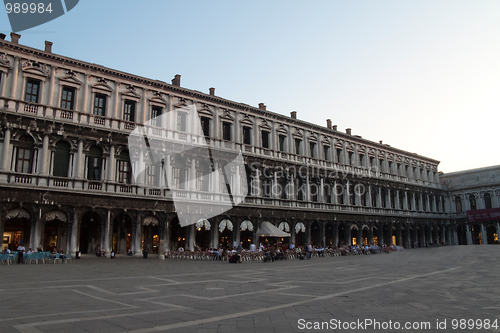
{"points": [[474, 197], [66, 169]]}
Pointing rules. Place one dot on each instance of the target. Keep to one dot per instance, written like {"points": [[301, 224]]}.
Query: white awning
{"points": [[268, 230], [284, 226], [203, 223], [225, 224], [246, 225], [300, 227]]}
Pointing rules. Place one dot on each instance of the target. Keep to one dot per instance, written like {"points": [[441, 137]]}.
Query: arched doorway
{"points": [[375, 235], [225, 234], [476, 234], [54, 230], [342, 234], [90, 232], [329, 234], [316, 234], [355, 235], [491, 234], [177, 235], [365, 235], [122, 233], [203, 233], [246, 233], [150, 234], [462, 235], [300, 234], [17, 229]]}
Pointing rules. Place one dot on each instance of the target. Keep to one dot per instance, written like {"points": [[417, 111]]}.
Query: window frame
{"points": [[66, 101], [28, 93], [101, 109], [129, 108]]}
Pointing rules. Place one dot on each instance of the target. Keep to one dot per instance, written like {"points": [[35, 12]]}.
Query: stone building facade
{"points": [[66, 170]]}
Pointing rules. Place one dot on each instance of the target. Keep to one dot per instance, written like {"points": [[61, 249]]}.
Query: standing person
{"points": [[309, 250], [20, 250]]}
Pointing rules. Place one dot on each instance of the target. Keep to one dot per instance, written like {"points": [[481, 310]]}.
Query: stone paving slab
{"points": [[175, 295]]}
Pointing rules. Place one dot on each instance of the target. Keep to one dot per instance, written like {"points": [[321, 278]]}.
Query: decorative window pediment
{"points": [[282, 130], [36, 68], [339, 144], [312, 138], [350, 147], [371, 152], [246, 121], [131, 94], [102, 87], [4, 61], [265, 126], [297, 133], [70, 80], [205, 111], [227, 116]]}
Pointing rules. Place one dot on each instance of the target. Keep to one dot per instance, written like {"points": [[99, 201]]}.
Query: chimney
{"points": [[293, 114], [334, 127], [381, 142], [348, 131], [2, 36], [14, 38], [176, 81], [48, 46], [262, 106], [329, 124], [212, 91]]}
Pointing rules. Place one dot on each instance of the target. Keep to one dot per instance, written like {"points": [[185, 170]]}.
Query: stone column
{"points": [[80, 161], [370, 235], [484, 236], [6, 152], [381, 235], [335, 233], [191, 237], [44, 156], [468, 235], [74, 237], [215, 235], [137, 236], [399, 239], [348, 235], [37, 232], [85, 95], [108, 234], [111, 164], [192, 175], [15, 75], [51, 85]]}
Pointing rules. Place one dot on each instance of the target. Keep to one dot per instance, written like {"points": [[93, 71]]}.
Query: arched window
{"points": [[124, 168], [487, 201], [61, 159], [24, 156], [94, 163], [472, 200]]}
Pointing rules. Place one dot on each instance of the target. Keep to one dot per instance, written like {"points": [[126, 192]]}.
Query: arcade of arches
{"points": [[87, 229]]}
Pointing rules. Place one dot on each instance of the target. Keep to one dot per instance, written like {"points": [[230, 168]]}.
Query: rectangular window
{"points": [[226, 131], [156, 111], [312, 149], [129, 111], [247, 135], [151, 175], [94, 165], [265, 139], [297, 146], [202, 181], [24, 157], [266, 188], [326, 152], [67, 98], [124, 172], [205, 126], [351, 158], [181, 121], [339, 155], [100, 105], [32, 91], [178, 179], [282, 140]]}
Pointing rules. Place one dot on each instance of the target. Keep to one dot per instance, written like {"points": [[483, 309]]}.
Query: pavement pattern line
{"points": [[31, 327], [278, 307]]}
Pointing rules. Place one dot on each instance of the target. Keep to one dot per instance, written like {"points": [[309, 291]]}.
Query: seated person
{"points": [[129, 252]]}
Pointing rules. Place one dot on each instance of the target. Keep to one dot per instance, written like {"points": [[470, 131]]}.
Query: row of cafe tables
{"points": [[34, 258]]}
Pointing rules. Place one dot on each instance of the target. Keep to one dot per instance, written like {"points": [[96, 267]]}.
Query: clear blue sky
{"points": [[423, 76]]}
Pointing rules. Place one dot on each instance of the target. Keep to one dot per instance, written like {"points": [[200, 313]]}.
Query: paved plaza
{"points": [[179, 295]]}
